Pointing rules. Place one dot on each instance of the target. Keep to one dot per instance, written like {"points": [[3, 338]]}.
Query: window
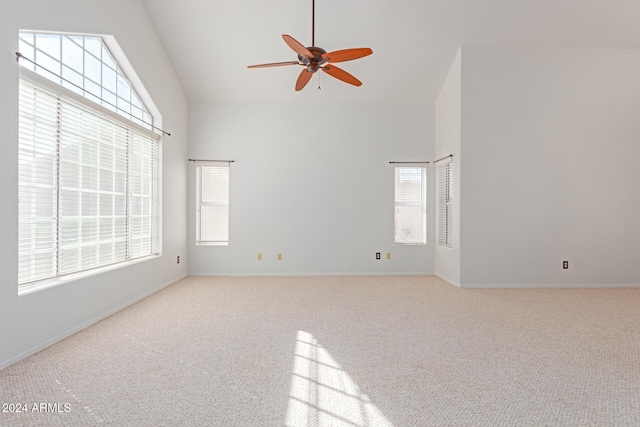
{"points": [[88, 179], [84, 65], [445, 202], [410, 205], [212, 201]]}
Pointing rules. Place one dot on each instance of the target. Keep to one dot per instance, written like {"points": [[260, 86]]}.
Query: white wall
{"points": [[29, 322], [552, 167], [311, 181], [447, 141]]}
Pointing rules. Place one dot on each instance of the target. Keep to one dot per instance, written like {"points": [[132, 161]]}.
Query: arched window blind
{"points": [[212, 203], [410, 220], [445, 201], [88, 184]]}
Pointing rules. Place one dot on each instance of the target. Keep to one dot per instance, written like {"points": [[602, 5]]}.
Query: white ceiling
{"points": [[413, 41]]}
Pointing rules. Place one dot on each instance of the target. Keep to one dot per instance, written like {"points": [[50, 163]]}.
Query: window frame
{"points": [[422, 203], [445, 203], [199, 240], [86, 84], [75, 98]]}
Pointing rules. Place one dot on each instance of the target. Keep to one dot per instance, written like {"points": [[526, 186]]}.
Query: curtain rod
{"points": [[20, 56], [407, 162], [221, 161], [445, 157], [435, 161]]}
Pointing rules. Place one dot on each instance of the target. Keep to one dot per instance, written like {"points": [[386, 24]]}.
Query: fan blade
{"points": [[274, 64], [340, 74], [347, 54], [303, 79], [297, 46]]}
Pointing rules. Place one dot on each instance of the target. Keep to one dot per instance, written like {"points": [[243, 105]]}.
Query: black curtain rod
{"points": [[445, 157], [20, 56], [407, 162], [221, 161]]}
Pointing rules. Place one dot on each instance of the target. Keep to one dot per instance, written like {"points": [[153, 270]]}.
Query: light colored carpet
{"points": [[343, 351]]}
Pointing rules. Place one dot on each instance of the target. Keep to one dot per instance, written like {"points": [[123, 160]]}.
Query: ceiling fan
{"points": [[314, 58]]}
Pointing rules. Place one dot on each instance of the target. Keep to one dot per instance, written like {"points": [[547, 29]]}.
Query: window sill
{"points": [[61, 280], [410, 244]]}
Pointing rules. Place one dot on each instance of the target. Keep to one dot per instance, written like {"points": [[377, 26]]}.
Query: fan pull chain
{"points": [[319, 88]]}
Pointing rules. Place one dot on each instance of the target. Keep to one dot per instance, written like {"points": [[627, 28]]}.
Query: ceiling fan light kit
{"points": [[315, 58]]}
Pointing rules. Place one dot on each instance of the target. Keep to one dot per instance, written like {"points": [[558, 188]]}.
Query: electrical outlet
{"points": [[259, 257], [178, 260], [279, 257], [565, 265], [377, 255], [388, 255]]}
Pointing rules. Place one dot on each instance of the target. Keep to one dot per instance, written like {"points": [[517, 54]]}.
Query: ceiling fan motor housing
{"points": [[315, 62]]}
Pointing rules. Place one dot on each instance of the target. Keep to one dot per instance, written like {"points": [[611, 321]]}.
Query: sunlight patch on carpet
{"points": [[323, 394]]}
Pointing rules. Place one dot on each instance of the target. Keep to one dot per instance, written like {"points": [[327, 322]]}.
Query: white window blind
{"points": [[88, 187], [410, 205], [445, 202], [212, 193]]}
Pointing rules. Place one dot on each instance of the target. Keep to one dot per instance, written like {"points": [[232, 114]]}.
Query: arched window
{"points": [[84, 65], [89, 168]]}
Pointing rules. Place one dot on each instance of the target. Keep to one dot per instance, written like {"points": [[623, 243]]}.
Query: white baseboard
{"points": [[549, 286], [446, 279], [369, 273], [49, 342]]}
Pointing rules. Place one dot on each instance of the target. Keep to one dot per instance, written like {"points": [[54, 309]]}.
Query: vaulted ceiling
{"points": [[413, 41]]}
